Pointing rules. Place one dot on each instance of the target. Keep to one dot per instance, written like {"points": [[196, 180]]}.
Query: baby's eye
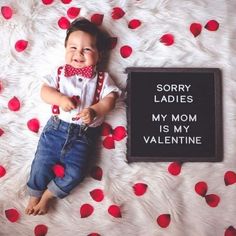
{"points": [[73, 48], [87, 49]]}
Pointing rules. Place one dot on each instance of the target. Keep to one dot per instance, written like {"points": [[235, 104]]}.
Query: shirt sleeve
{"points": [[51, 79]]}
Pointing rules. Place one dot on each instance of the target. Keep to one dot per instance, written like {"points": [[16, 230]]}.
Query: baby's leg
{"points": [[33, 201]]}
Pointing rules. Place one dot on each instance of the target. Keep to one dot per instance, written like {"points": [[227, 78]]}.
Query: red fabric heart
{"points": [[21, 45], [230, 178], [201, 188], [106, 129], [66, 1], [125, 51], [140, 189], [212, 200], [97, 19], [14, 104], [2, 171], [40, 230], [1, 86], [230, 231], [167, 39], [33, 125], [1, 132], [119, 133], [196, 29], [108, 142], [86, 210], [73, 12], [212, 25], [117, 13], [134, 24], [97, 195], [6, 12], [94, 234], [96, 173], [163, 220], [114, 211], [112, 42], [63, 23], [58, 170], [47, 2], [12, 215], [175, 168]]}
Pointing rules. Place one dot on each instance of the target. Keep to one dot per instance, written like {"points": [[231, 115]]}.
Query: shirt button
{"points": [[80, 80]]}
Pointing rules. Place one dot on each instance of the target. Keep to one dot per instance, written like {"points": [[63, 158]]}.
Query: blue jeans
{"points": [[61, 143]]}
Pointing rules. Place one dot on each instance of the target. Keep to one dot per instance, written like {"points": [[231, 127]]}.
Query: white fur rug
{"points": [[148, 199]]}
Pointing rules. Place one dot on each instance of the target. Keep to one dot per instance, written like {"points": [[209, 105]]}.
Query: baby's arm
{"points": [[52, 96]]}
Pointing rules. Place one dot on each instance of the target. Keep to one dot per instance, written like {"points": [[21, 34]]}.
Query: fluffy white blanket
{"points": [[147, 199]]}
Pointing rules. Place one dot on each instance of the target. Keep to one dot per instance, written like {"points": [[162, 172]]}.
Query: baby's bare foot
{"points": [[33, 201]]}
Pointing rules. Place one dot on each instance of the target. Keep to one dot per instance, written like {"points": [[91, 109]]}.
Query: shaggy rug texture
{"points": [[116, 198]]}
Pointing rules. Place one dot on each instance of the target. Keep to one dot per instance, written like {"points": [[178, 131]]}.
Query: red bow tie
{"points": [[85, 71]]}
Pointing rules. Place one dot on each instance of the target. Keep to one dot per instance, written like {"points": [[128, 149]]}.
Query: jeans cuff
{"points": [[55, 190], [35, 193]]}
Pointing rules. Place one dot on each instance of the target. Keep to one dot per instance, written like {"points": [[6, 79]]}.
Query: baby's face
{"points": [[81, 50]]}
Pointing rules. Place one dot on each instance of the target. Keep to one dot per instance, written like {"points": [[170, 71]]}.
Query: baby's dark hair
{"points": [[87, 26]]}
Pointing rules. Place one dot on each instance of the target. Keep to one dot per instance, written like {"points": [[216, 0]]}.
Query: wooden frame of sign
{"points": [[174, 114]]}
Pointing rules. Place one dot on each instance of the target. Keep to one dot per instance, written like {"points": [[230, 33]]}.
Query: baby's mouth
{"points": [[78, 61]]}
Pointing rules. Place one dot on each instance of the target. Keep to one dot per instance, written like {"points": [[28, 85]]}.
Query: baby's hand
{"points": [[87, 115], [67, 103]]}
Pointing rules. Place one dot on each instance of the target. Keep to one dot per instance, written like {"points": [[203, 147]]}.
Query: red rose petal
{"points": [[21, 45], [86, 210], [14, 104], [1, 86], [47, 2], [40, 230], [140, 189], [167, 39], [112, 42], [125, 51], [163, 220], [97, 19], [66, 1], [1, 132], [63, 23], [2, 171], [230, 231], [196, 29], [175, 168], [94, 234], [12, 215], [114, 211], [212, 25], [134, 24], [6, 12], [119, 133], [212, 200], [96, 173], [230, 178], [201, 188], [97, 195], [73, 12], [106, 129], [117, 13], [109, 143], [33, 125], [59, 170]]}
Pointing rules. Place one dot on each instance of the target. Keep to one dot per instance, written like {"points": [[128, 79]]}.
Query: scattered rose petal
{"points": [[97, 19], [230, 231], [33, 125], [86, 210], [167, 39], [175, 168], [125, 51], [40, 230], [96, 173], [230, 178], [66, 1], [163, 220], [47, 2], [117, 13], [108, 142], [112, 42], [119, 133], [212, 25], [140, 189], [21, 45], [1, 132], [106, 129], [63, 23], [97, 195], [212, 200], [2, 171], [12, 215], [94, 234], [59, 170], [134, 24], [196, 29], [201, 188], [14, 104], [1, 86], [114, 211], [73, 12], [6, 12]]}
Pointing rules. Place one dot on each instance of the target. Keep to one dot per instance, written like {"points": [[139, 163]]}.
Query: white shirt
{"points": [[84, 88]]}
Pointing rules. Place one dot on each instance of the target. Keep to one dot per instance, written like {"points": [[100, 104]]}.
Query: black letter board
{"points": [[174, 114]]}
